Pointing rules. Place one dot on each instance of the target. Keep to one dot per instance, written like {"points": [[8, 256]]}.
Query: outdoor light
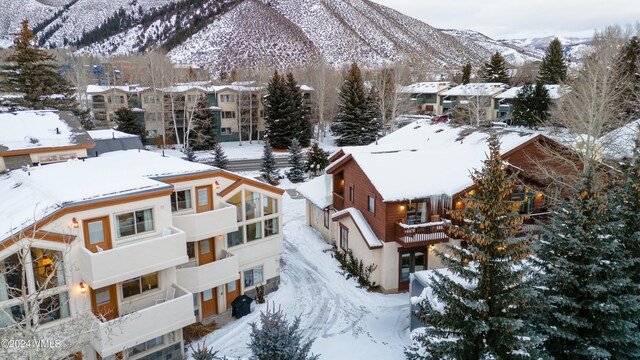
{"points": [[216, 184], [401, 207], [83, 287], [74, 223]]}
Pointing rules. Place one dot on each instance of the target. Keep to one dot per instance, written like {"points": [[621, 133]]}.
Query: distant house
{"points": [[113, 140], [389, 202], [506, 98], [424, 97], [478, 98], [41, 137], [106, 100]]}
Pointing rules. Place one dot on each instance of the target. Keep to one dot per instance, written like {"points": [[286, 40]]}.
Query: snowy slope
{"points": [[485, 46], [575, 48]]}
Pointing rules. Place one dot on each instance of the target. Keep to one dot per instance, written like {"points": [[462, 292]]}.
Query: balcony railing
{"points": [[98, 105], [204, 225], [157, 317], [531, 223], [338, 202], [199, 278], [421, 234], [133, 259]]}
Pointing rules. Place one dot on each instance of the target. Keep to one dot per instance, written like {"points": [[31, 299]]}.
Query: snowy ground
{"points": [[235, 151], [347, 322]]}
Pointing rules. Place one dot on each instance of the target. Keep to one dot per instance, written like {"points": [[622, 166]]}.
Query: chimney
{"points": [[57, 131]]}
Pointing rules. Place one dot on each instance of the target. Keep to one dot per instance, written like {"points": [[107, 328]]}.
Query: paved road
{"points": [[253, 164]]}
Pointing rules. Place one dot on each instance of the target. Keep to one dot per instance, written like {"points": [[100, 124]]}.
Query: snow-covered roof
{"points": [[426, 159], [187, 87], [99, 89], [555, 91], [306, 87], [318, 190], [38, 129], [433, 87], [363, 225], [26, 197], [619, 143], [109, 134], [477, 89]]}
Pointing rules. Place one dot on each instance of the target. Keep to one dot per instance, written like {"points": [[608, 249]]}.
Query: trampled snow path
{"points": [[347, 322]]}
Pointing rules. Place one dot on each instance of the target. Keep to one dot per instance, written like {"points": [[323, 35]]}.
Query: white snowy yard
{"points": [[347, 322]]}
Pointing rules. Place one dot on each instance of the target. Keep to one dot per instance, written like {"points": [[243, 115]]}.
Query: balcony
{"points": [[448, 104], [154, 318], [421, 234], [199, 278], [204, 225], [338, 202], [98, 105], [133, 259]]}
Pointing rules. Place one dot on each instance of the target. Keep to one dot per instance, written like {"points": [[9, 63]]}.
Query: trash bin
{"points": [[241, 306]]}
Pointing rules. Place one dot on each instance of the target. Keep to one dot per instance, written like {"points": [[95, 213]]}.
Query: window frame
{"points": [[344, 238], [174, 197], [142, 292], [351, 193], [135, 227], [327, 217], [371, 204], [253, 281]]}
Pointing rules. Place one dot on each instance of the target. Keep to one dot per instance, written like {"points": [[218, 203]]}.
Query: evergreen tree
{"points": [[317, 160], [298, 116], [495, 70], [531, 105], [630, 60], [219, 158], [480, 311], [296, 173], [589, 311], [355, 122], [191, 155], [32, 72], [553, 68], [276, 339], [201, 134], [269, 172], [466, 74], [127, 122], [277, 109]]}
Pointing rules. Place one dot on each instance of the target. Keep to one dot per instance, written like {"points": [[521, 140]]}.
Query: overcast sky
{"points": [[521, 18]]}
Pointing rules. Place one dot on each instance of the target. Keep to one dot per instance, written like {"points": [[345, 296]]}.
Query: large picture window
{"points": [[253, 276], [139, 285], [270, 205], [134, 222], [234, 238], [254, 231], [181, 200], [271, 227], [251, 205]]}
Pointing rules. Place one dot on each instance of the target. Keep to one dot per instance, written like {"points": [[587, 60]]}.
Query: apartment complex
{"points": [[119, 252], [388, 202], [237, 108]]}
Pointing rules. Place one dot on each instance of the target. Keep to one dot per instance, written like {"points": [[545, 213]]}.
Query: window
{"points": [[181, 200], [270, 205], [254, 231], [96, 232], [151, 117], [207, 295], [192, 98], [227, 98], [147, 345], [271, 227], [228, 114], [47, 158], [150, 99], [326, 217], [344, 238], [116, 99], [47, 268], [65, 157], [351, 193], [225, 131], [54, 307], [169, 352], [196, 304], [234, 238], [139, 285], [251, 205], [417, 212], [231, 287], [371, 204], [237, 201], [191, 250], [253, 276], [134, 222]]}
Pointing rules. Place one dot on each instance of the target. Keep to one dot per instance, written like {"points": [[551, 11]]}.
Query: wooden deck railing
{"points": [[338, 202], [421, 234]]}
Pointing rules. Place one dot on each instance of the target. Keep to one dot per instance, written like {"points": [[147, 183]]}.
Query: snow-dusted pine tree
{"points": [[589, 311], [191, 155], [268, 171], [219, 157], [276, 339], [531, 105], [553, 68], [495, 70], [277, 113], [479, 306], [317, 160], [355, 123], [127, 122], [201, 133], [296, 173], [298, 116]]}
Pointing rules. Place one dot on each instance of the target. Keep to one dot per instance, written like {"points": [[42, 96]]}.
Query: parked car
{"points": [[440, 118]]}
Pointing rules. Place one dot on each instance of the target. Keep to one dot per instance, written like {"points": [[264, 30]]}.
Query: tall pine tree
{"points": [[269, 171], [32, 72], [531, 105], [317, 160], [277, 108], [296, 173], [480, 310], [201, 132], [466, 74], [589, 313], [495, 70], [553, 68], [298, 116], [219, 158], [630, 60], [355, 122], [127, 122]]}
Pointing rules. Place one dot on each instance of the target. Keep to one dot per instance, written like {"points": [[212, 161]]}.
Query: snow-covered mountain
{"points": [[222, 34], [574, 47]]}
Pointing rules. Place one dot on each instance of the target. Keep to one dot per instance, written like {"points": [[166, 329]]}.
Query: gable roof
{"points": [[432, 87], [373, 242], [555, 91], [426, 159], [129, 89], [40, 131], [318, 190], [477, 89]]}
